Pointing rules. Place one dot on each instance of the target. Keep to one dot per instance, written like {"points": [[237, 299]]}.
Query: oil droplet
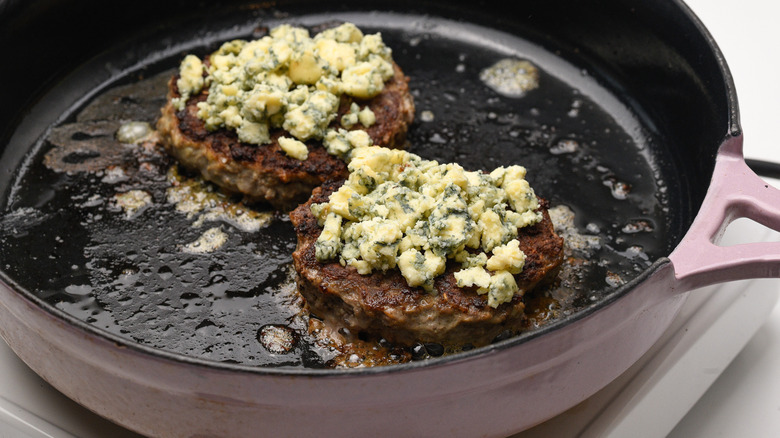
{"points": [[592, 228], [633, 252], [575, 108], [165, 272], [438, 139], [638, 226], [114, 174], [619, 189], [614, 280], [565, 147], [79, 289], [206, 328], [426, 116]]}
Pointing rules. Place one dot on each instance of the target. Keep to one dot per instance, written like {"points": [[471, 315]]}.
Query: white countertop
{"points": [[745, 400]]}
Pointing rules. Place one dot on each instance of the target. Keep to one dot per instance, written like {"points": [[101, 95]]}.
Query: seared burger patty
{"points": [[265, 172], [384, 305]]}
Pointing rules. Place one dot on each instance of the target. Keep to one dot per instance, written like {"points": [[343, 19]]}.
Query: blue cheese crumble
{"points": [[397, 210], [288, 80], [294, 148]]}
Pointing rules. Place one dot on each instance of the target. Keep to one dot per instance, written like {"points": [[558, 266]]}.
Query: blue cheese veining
{"points": [[398, 211], [288, 80]]}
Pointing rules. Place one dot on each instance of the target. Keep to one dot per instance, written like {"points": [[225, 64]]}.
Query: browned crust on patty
{"points": [[384, 305], [265, 172]]}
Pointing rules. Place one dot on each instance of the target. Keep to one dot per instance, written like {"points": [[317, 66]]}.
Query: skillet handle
{"points": [[735, 192]]}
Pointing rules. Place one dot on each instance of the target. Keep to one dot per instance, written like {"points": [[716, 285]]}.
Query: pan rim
{"points": [[285, 371]]}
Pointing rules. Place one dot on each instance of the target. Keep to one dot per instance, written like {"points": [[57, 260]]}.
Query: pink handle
{"points": [[735, 192]]}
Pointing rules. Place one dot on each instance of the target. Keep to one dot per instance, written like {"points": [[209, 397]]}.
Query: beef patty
{"points": [[383, 305], [265, 172]]}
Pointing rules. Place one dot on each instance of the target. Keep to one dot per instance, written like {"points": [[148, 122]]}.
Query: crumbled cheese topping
{"points": [[397, 210], [364, 116], [288, 80], [294, 148], [190, 79]]}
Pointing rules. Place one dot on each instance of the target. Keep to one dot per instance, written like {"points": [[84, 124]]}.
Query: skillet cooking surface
{"points": [[65, 241]]}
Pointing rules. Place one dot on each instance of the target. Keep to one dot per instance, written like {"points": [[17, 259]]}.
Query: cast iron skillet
{"points": [[650, 107], [129, 276]]}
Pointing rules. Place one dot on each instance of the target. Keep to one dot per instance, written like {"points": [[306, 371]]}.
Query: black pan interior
{"points": [[645, 106]]}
